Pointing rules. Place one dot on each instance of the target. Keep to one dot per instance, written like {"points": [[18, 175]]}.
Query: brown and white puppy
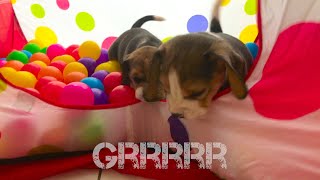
{"points": [[134, 50], [193, 68]]}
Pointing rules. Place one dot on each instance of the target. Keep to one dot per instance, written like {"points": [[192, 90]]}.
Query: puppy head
{"points": [[193, 69], [135, 69]]}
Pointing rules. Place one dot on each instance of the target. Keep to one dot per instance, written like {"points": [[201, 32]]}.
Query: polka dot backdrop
{"points": [[73, 22]]}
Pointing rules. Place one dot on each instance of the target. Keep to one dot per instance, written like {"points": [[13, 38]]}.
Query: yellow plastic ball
{"points": [[24, 79], [37, 42], [8, 73], [89, 49], [65, 58], [40, 63], [75, 67], [110, 66]]}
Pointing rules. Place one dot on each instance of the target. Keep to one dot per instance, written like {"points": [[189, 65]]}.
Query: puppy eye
{"points": [[138, 80], [196, 94]]}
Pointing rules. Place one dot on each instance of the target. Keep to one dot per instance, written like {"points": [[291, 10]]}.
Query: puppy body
{"points": [[195, 67], [134, 50]]}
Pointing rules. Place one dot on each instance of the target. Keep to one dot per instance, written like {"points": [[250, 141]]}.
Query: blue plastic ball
{"points": [[93, 83], [29, 54], [254, 49], [3, 59]]}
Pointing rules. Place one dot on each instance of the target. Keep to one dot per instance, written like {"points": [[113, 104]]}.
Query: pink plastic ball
{"points": [[77, 94], [111, 81], [44, 81], [122, 94], [52, 91], [2, 63], [55, 50]]}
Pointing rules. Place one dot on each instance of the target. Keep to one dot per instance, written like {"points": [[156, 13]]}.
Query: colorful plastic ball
{"points": [[40, 57], [71, 48], [27, 53], [122, 94], [111, 81], [2, 63], [44, 50], [101, 75], [40, 63], [93, 83], [31, 47], [77, 94], [44, 81], [37, 42], [75, 67], [18, 56], [55, 50], [52, 91], [100, 97], [17, 65], [89, 49], [74, 77], [65, 58], [32, 68], [8, 72], [50, 71], [75, 54], [254, 49], [104, 57], [24, 79], [110, 66], [89, 63], [59, 64]]}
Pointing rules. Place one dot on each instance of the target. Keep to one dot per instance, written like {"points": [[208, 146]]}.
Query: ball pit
{"points": [[60, 76]]}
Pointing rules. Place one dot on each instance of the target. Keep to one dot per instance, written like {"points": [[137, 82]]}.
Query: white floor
{"points": [[93, 175]]}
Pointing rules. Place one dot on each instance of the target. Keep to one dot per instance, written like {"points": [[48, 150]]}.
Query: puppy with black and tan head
{"points": [[134, 50], [193, 68]]}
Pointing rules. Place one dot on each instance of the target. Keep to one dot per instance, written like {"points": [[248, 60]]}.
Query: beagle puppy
{"points": [[191, 69], [134, 50]]}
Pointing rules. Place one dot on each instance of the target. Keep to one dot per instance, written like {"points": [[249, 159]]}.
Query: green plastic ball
{"points": [[44, 50], [19, 56], [33, 48]]}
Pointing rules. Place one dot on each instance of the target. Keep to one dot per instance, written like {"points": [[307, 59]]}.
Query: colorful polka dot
{"points": [[106, 44], [249, 34], [3, 86], [46, 36], [63, 4], [197, 23], [225, 2], [251, 7], [37, 10], [85, 21], [166, 39]]}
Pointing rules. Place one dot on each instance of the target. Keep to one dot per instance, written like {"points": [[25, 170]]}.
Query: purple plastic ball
{"points": [[100, 97], [104, 57], [89, 63], [101, 75]]}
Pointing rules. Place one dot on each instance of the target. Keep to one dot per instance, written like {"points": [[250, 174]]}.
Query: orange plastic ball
{"points": [[74, 77], [40, 57], [17, 65], [51, 71]]}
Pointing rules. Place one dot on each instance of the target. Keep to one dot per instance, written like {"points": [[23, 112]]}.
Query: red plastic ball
{"points": [[44, 81], [52, 91], [111, 81], [122, 94], [75, 54], [32, 68], [71, 48], [59, 64]]}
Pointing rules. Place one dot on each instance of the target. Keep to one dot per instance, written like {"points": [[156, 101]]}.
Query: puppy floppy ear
{"points": [[125, 68], [235, 78]]}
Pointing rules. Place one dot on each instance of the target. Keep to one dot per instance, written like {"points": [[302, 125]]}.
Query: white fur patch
{"points": [[139, 94], [177, 104]]}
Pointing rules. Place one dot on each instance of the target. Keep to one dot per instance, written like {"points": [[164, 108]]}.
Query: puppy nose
{"points": [[177, 115]]}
